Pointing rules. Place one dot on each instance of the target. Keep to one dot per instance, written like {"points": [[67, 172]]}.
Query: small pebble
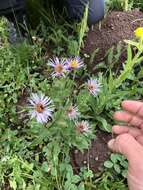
{"points": [[97, 158], [85, 162], [90, 156]]}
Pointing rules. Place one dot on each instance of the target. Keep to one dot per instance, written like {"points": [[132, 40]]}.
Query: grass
{"points": [[124, 4], [34, 156]]}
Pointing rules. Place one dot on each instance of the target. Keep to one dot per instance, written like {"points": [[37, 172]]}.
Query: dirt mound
{"points": [[94, 157], [116, 27]]}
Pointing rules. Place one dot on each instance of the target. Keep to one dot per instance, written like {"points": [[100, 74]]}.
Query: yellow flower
{"points": [[139, 32], [74, 64]]}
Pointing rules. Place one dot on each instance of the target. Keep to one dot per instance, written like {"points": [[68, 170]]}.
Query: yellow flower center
{"points": [[139, 32], [74, 64], [58, 68], [39, 108]]}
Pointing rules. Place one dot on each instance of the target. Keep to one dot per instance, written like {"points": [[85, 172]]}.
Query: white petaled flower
{"points": [[74, 63], [93, 86], [59, 66], [41, 107], [72, 112], [82, 127]]}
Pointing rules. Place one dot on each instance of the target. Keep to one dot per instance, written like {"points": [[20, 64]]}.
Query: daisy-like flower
{"points": [[59, 66], [139, 32], [72, 112], [93, 86], [41, 107], [82, 127], [74, 63]]}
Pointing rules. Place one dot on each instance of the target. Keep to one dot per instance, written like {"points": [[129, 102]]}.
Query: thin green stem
{"points": [[126, 5]]}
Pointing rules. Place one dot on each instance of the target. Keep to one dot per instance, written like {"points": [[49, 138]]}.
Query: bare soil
{"points": [[95, 156], [116, 27]]}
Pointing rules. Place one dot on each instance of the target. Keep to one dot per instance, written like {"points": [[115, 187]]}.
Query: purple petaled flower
{"points": [[93, 86], [82, 127], [41, 107], [74, 63], [72, 112], [59, 66]]}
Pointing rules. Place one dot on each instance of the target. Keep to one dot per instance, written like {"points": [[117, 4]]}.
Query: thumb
{"points": [[126, 145]]}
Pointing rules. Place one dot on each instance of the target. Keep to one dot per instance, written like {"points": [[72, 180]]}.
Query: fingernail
{"points": [[111, 143]]}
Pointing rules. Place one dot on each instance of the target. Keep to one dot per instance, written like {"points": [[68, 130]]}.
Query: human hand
{"points": [[129, 141]]}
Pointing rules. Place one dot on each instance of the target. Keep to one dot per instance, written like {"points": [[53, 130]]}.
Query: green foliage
{"points": [[118, 163], [137, 4], [64, 37], [114, 89], [106, 182], [124, 4], [27, 142], [119, 4], [3, 31], [83, 28]]}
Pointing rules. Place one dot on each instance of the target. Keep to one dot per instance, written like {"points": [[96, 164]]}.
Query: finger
{"points": [[140, 139], [126, 145], [118, 130], [135, 107], [128, 118]]}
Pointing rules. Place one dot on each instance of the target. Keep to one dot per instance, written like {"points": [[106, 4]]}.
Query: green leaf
{"points": [[73, 47], [105, 126], [131, 43], [117, 168], [81, 186], [124, 173], [76, 179], [45, 167], [115, 157], [108, 164], [13, 184]]}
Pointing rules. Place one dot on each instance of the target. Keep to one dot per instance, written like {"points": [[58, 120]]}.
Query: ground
{"points": [[116, 27], [95, 156]]}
